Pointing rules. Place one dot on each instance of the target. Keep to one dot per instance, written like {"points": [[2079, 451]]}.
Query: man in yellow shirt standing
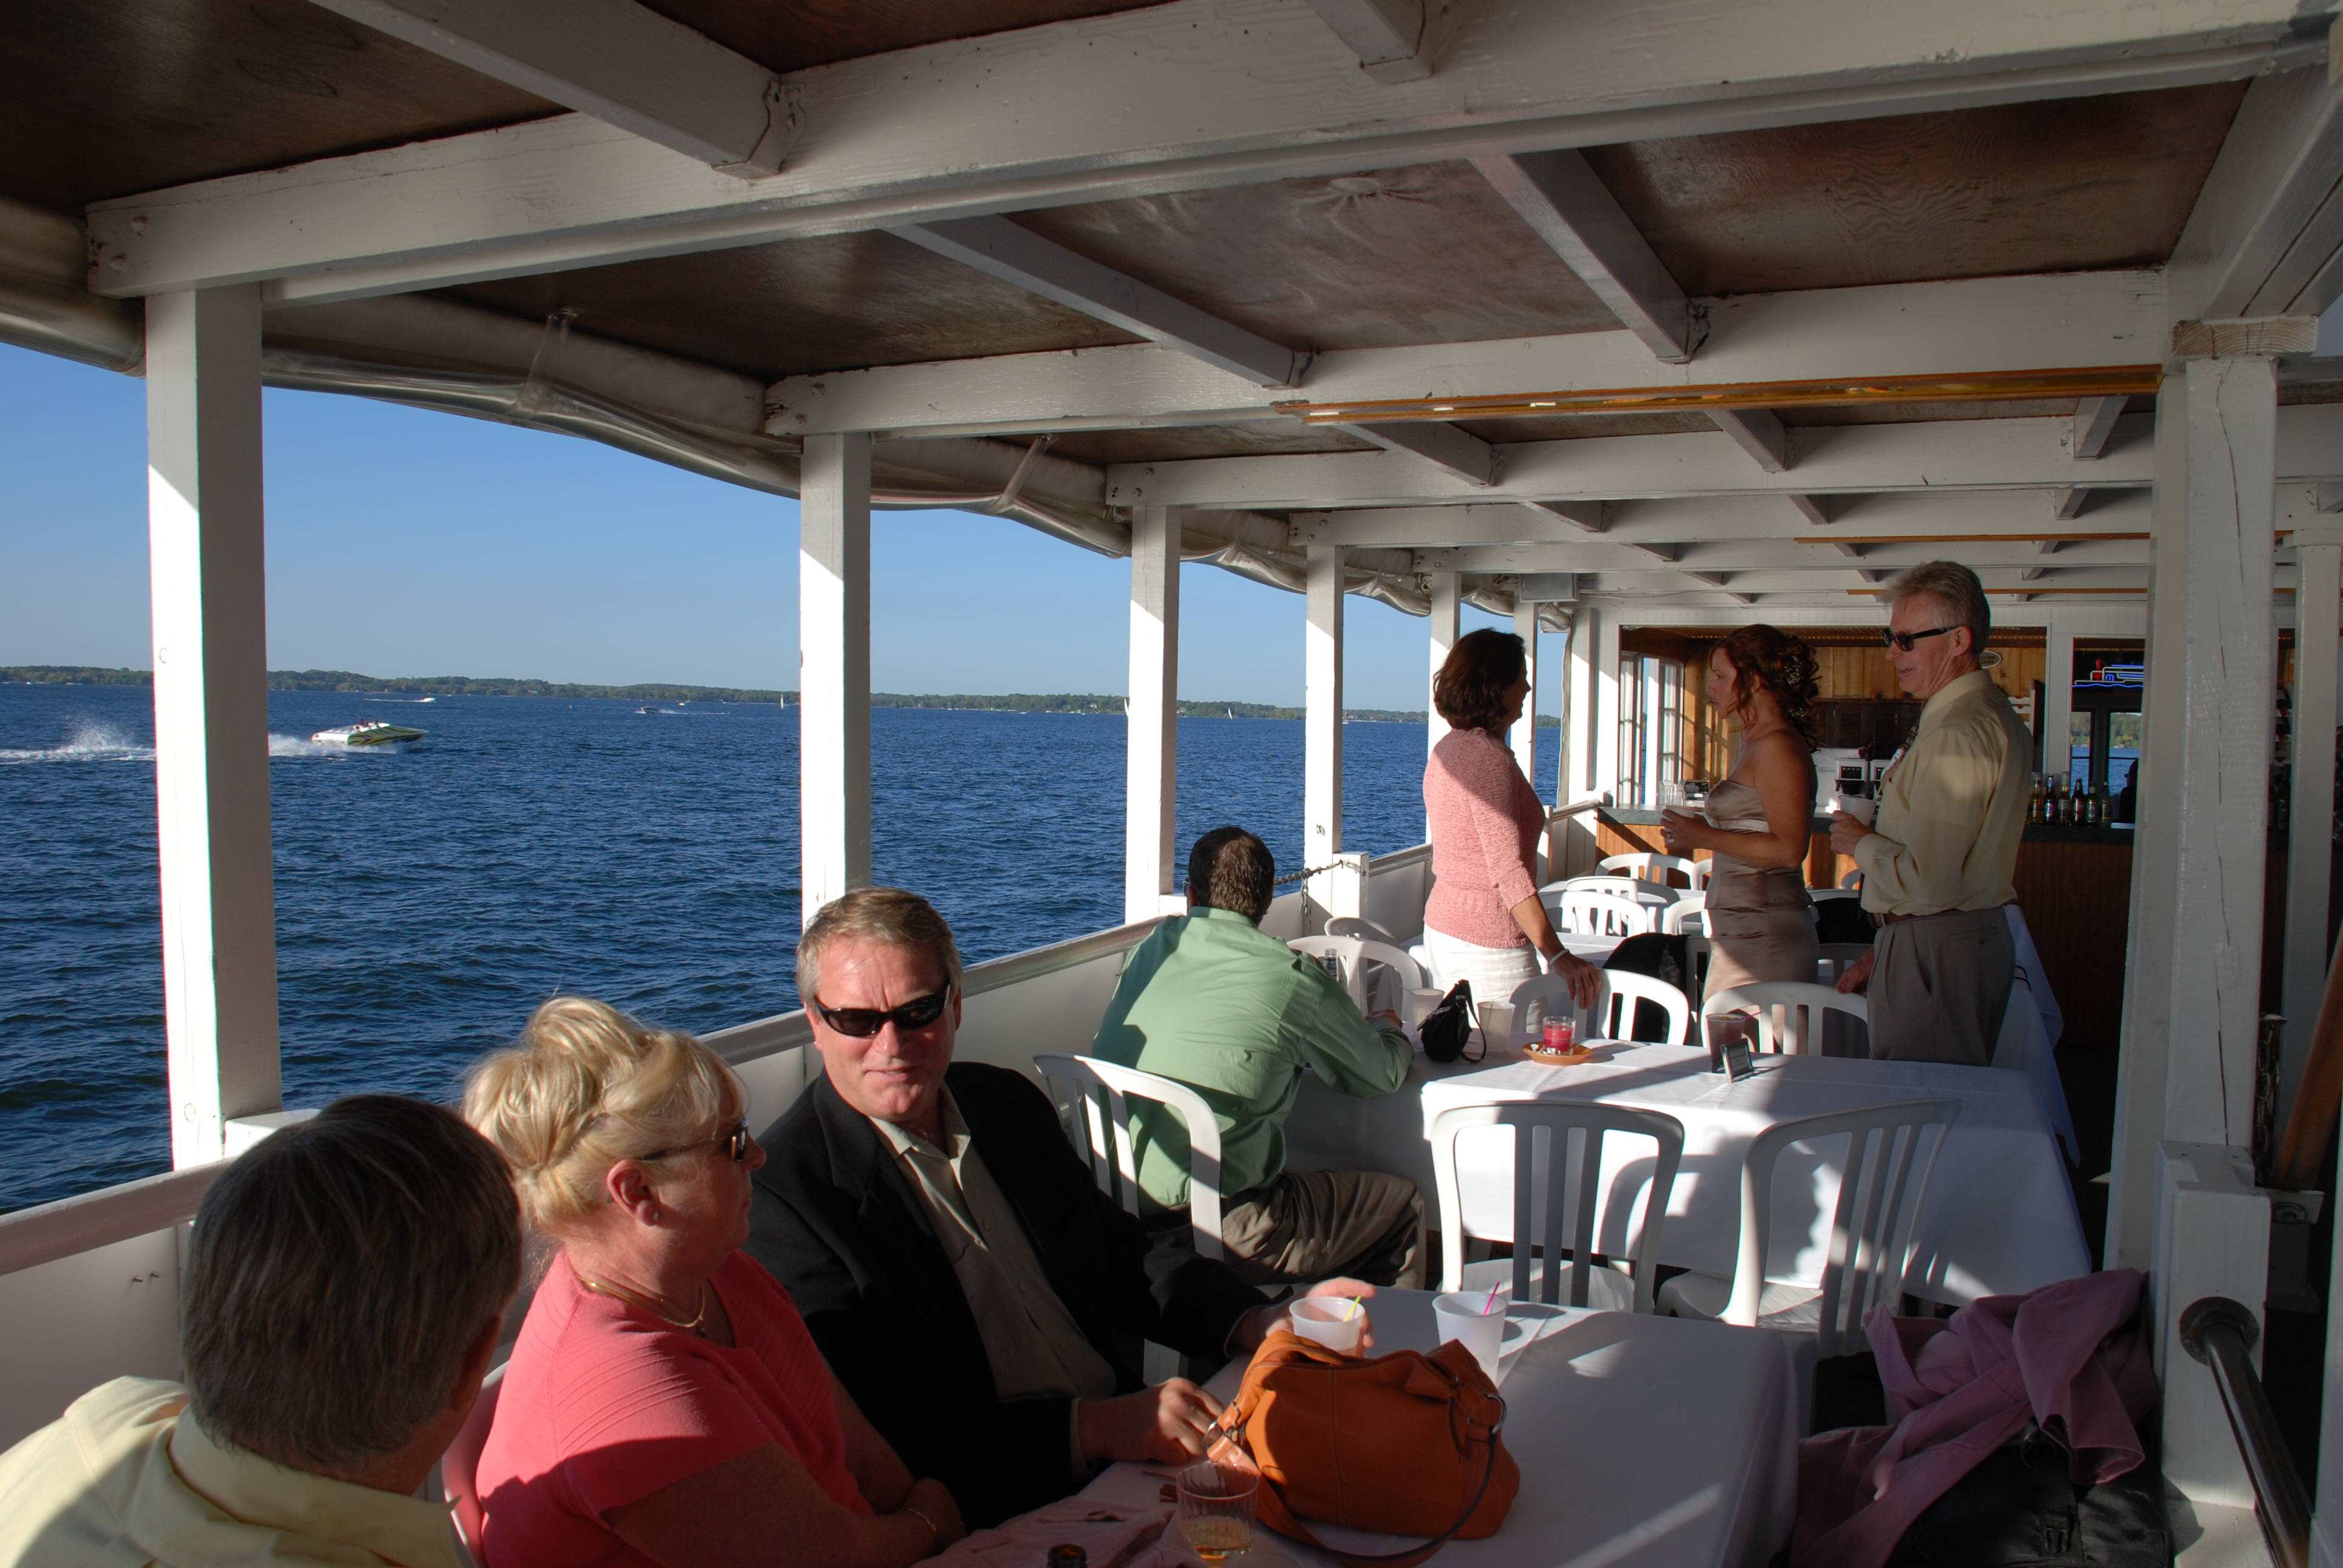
{"points": [[344, 1285], [1939, 863]]}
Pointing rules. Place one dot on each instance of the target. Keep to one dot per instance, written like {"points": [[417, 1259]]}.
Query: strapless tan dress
{"points": [[1760, 921]]}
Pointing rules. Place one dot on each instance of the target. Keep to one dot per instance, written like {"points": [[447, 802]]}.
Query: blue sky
{"points": [[402, 542]]}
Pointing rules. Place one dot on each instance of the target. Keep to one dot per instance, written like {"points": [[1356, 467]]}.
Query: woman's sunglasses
{"points": [[734, 1142], [862, 1023], [1905, 639]]}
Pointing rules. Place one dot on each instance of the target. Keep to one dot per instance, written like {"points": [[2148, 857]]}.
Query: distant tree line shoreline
{"points": [[474, 685]]}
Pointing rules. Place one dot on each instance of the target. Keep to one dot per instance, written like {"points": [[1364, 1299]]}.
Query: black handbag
{"points": [[2019, 1510], [1444, 1029]]}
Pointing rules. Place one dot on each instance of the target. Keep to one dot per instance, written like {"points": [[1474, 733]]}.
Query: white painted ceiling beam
{"points": [[1186, 96], [1561, 197], [2266, 236], [1458, 454], [1733, 557], [1914, 519], [1387, 36], [2063, 321], [623, 63], [2095, 421], [1000, 249], [1758, 433]]}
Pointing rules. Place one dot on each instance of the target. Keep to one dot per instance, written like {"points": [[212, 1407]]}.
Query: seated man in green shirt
{"points": [[1211, 1001]]}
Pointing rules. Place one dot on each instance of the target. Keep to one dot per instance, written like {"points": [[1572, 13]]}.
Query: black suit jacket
{"points": [[839, 1224]]}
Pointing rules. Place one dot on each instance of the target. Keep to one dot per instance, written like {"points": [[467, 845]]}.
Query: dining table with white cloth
{"points": [[1999, 1216], [1643, 1442]]}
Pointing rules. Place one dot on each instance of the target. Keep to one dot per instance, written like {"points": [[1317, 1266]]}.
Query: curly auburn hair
{"points": [[1765, 658], [1469, 690]]}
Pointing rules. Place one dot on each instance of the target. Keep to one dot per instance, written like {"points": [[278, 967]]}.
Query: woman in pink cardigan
{"points": [[1484, 922]]}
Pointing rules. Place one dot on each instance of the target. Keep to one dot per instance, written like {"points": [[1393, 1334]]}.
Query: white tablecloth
{"points": [[2000, 1215], [1643, 1442]]}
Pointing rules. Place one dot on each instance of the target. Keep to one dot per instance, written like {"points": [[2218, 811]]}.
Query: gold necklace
{"points": [[632, 1299]]}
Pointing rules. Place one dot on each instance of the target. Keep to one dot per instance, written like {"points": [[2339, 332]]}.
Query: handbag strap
{"points": [[1281, 1519]]}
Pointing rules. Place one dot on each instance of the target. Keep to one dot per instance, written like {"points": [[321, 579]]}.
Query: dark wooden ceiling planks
{"points": [[109, 97], [800, 306], [791, 35], [2064, 186]]}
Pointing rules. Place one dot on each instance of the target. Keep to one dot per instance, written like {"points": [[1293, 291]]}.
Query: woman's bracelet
{"points": [[933, 1533]]}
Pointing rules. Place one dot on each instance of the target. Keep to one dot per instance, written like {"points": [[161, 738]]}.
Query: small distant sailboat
{"points": [[379, 733]]}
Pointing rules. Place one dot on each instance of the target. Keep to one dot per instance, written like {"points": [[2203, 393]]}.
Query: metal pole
{"points": [[2219, 1333]]}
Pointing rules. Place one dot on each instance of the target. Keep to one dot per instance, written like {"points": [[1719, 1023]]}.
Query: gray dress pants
{"points": [[1939, 985]]}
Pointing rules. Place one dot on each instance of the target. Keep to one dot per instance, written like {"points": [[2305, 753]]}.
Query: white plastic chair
{"points": [[1883, 1184], [1852, 879], [1658, 895], [1586, 912], [459, 1467], [1612, 1016], [1655, 867], [1355, 954], [1692, 907], [1092, 1105], [1824, 895], [1584, 1283], [1360, 925], [1789, 1012], [1840, 957]]}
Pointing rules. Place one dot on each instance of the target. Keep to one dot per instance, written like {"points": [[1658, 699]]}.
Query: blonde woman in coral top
{"points": [[1484, 922]]}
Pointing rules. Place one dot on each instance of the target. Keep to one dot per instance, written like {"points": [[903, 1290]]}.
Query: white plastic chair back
{"points": [[1692, 907], [1357, 956], [1655, 867], [1838, 957], [1789, 1012], [1585, 912], [1882, 1183], [1824, 895], [1659, 895], [1563, 1174], [459, 1467], [1360, 925], [1852, 879], [1612, 1016], [1092, 1097]]}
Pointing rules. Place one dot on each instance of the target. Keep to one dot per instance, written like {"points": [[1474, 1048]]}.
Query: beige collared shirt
{"points": [[1953, 809], [124, 1480], [1036, 1349]]}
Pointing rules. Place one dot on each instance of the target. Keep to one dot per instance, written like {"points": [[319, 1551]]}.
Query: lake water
{"points": [[427, 900]]}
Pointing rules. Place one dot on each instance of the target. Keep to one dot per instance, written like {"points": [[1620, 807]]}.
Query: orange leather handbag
{"points": [[1403, 1444]]}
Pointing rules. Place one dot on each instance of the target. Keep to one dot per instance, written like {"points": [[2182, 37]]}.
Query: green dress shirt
{"points": [[1212, 1002]]}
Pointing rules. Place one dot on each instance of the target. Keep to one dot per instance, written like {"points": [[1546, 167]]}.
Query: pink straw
{"points": [[1491, 1304]]}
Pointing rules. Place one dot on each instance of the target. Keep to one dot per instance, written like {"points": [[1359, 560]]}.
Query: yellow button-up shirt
{"points": [[1953, 809], [121, 1481]]}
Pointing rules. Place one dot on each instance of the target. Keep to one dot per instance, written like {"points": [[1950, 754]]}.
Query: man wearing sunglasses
{"points": [[1939, 861], [969, 1286]]}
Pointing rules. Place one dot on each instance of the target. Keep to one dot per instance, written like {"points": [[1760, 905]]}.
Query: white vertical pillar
{"points": [[834, 659], [209, 578], [1322, 773], [1604, 779], [1447, 607], [2192, 1002], [1523, 738], [1580, 702], [2057, 717], [2310, 820], [1150, 787]]}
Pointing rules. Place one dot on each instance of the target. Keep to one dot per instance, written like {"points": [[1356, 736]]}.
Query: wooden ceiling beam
{"points": [[2266, 236], [1566, 204], [2095, 421], [1387, 36]]}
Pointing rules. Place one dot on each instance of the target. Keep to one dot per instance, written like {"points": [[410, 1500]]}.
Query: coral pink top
{"points": [[1485, 820], [604, 1404]]}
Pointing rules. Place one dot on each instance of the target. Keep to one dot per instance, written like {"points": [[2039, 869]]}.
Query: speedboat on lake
{"points": [[376, 733]]}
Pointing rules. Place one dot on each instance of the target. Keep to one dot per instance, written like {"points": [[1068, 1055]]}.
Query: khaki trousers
{"points": [[1939, 985], [1309, 1225]]}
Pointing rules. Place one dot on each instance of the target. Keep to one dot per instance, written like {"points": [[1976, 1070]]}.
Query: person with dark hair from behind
{"points": [[1212, 1001], [1759, 820], [345, 1284]]}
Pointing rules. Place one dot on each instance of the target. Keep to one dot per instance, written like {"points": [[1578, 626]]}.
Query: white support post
{"points": [[834, 660], [209, 576], [1321, 781], [2056, 718], [1523, 738], [1152, 774], [1604, 709], [1447, 605], [2192, 1002], [2310, 820]]}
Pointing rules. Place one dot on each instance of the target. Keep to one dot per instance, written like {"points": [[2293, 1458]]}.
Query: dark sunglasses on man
{"points": [[862, 1023], [1905, 639]]}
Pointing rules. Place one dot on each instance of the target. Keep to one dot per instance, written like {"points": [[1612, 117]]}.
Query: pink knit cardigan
{"points": [[1485, 820]]}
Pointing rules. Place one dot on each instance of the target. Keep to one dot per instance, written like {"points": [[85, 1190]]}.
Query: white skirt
{"points": [[1493, 971]]}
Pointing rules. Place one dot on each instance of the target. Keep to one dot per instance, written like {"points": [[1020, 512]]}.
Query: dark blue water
{"points": [[426, 901]]}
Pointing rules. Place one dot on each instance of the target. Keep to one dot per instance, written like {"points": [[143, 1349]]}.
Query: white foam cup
{"points": [[1855, 807], [1497, 1023], [1460, 1318], [1334, 1321]]}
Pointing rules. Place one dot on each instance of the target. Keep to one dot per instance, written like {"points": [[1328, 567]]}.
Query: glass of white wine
{"points": [[1216, 1507]]}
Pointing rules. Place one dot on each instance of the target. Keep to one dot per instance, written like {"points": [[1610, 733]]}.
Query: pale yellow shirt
{"points": [[123, 1481], [1036, 1349], [1953, 809]]}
